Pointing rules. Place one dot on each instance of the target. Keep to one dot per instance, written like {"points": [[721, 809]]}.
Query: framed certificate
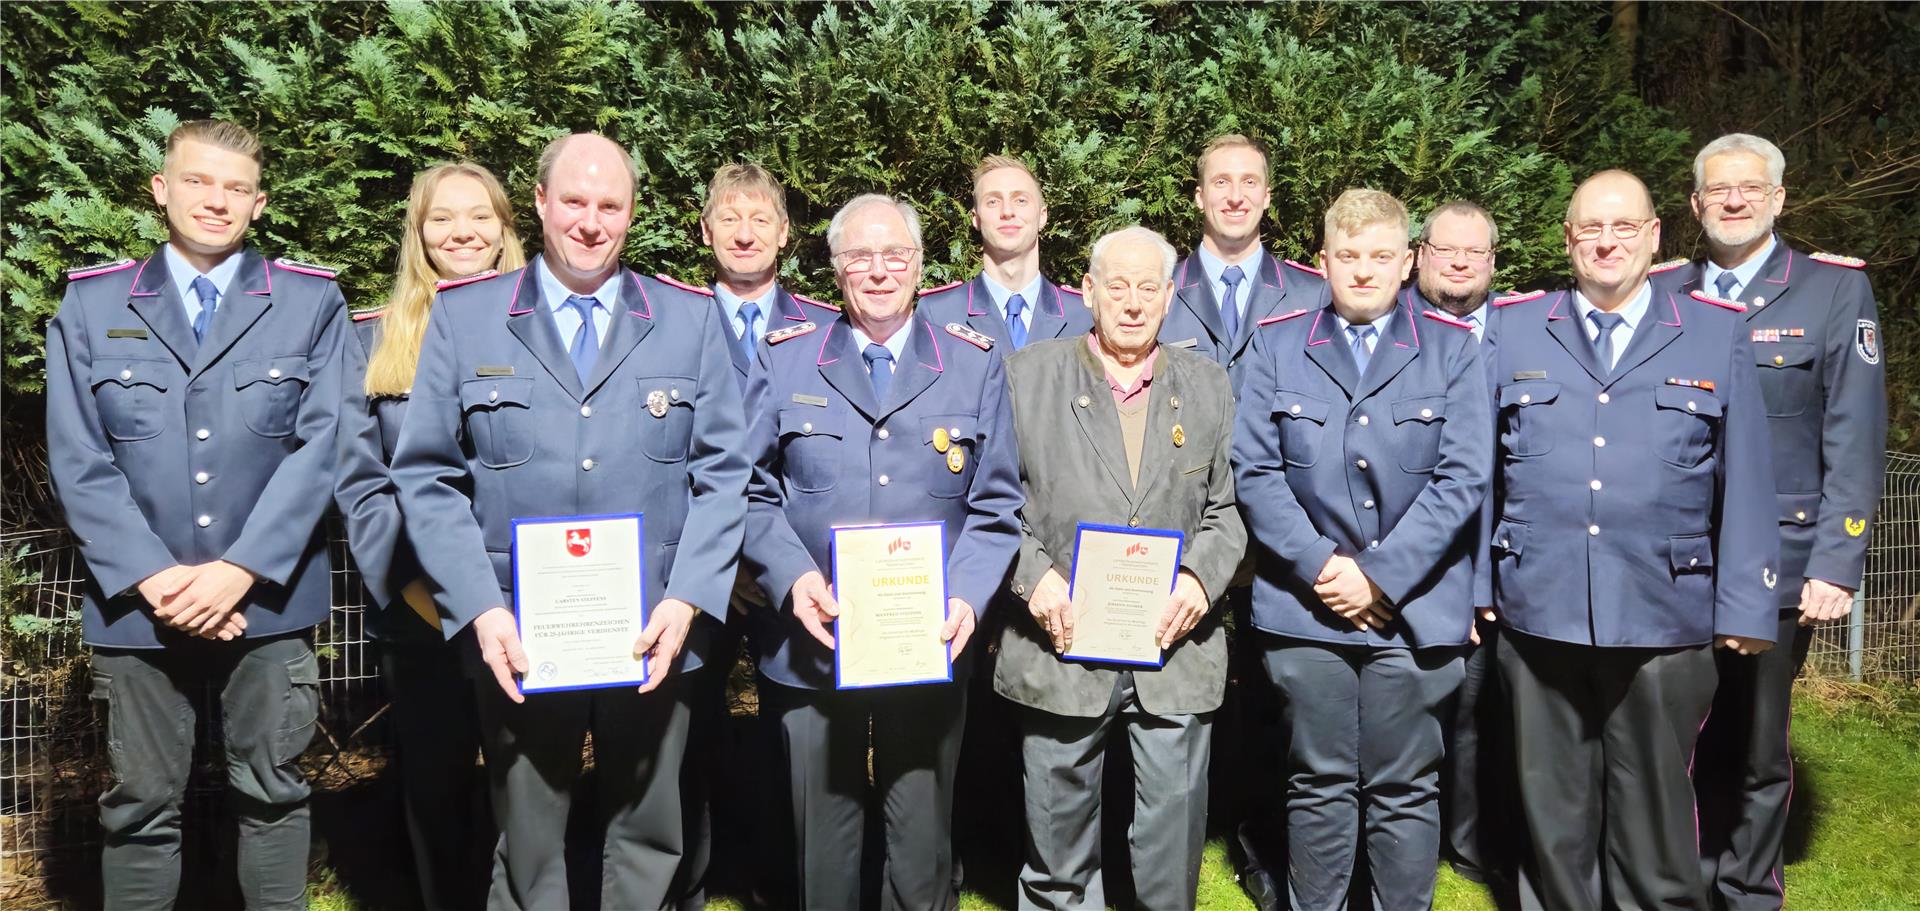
{"points": [[579, 594], [891, 582], [1121, 580]]}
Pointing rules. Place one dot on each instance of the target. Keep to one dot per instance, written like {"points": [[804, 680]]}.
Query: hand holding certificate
{"points": [[579, 593], [891, 584], [1122, 578]]}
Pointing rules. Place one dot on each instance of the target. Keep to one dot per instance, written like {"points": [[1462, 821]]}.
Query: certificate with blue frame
{"points": [[1122, 578], [891, 584], [579, 594]]}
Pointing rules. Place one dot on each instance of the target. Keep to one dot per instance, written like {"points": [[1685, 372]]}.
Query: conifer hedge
{"points": [[1508, 104]]}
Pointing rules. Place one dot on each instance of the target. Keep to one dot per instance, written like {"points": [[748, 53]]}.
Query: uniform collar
{"points": [[1000, 293], [1380, 325], [897, 344], [1213, 266], [555, 294], [1632, 313], [183, 274], [1743, 274]]}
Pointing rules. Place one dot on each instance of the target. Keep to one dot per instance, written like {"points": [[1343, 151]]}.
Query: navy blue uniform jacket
{"points": [[168, 451], [1193, 317], [1634, 510], [1816, 345], [1388, 467], [1059, 313], [500, 427], [826, 453]]}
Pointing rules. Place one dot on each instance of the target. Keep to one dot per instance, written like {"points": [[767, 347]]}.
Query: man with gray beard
{"points": [[1816, 346]]}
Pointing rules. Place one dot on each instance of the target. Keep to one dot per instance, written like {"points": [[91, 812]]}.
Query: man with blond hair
{"points": [[1011, 301], [1362, 457]]}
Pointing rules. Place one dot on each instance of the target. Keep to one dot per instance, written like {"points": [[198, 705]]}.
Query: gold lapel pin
{"points": [[956, 459], [1179, 435]]}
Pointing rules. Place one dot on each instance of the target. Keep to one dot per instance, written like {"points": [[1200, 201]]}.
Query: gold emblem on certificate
{"points": [[1122, 578], [891, 582], [657, 403]]}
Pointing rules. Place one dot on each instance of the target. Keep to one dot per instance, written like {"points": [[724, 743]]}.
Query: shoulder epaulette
{"points": [[1706, 298], [1668, 266], [360, 316], [80, 272], [984, 343], [683, 285], [1073, 291], [294, 265], [1282, 317], [926, 291], [821, 304], [1305, 268], [1520, 298], [446, 283], [1439, 317], [780, 335], [1835, 259]]}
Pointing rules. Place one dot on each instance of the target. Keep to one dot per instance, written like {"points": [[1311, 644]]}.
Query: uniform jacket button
{"points": [[586, 411], [806, 427], [1363, 420], [200, 477], [884, 480], [202, 433], [586, 464], [126, 374], [1133, 522], [204, 521], [1361, 464], [882, 433], [273, 373]]}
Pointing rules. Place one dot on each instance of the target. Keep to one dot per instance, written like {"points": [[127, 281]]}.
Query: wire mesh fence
{"points": [[51, 767]]}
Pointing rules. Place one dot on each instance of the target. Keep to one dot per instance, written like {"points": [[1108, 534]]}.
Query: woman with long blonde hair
{"points": [[459, 229]]}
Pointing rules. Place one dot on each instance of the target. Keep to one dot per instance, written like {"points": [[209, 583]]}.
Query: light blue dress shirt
{"points": [[1000, 294], [183, 274], [565, 318], [1380, 328], [730, 303], [897, 344], [1632, 314], [1743, 274], [1250, 269]]}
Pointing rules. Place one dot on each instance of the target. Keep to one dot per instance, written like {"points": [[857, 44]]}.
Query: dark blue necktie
{"points": [[209, 300], [1362, 345], [1229, 306], [585, 348], [749, 314], [1726, 283], [1603, 342], [880, 368], [1016, 327]]}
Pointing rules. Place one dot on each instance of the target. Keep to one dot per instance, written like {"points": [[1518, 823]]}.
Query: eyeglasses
{"points": [[855, 262], [1626, 229], [1751, 192], [1472, 254]]}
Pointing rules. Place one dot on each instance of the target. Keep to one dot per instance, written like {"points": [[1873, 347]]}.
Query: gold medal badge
{"points": [[1179, 436], [657, 403], [941, 440], [956, 459]]}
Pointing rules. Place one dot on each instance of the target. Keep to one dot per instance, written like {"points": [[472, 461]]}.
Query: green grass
{"points": [[1853, 847]]}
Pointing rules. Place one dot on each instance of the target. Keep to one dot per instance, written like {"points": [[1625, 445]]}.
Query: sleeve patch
{"points": [[982, 342], [79, 272], [1439, 317], [1706, 298], [1282, 317], [1519, 298], [1306, 268], [683, 285], [791, 332], [1866, 341], [1668, 266], [294, 265], [1835, 259], [944, 287], [446, 283]]}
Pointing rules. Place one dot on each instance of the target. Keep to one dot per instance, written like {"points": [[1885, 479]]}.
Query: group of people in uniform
{"points": [[1522, 580]]}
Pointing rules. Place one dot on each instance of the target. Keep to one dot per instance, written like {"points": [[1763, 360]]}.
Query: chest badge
{"points": [[956, 459], [1767, 578], [1856, 527], [1179, 436], [657, 403], [941, 439]]}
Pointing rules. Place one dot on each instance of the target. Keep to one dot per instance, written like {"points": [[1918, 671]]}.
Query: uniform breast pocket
{"points": [[498, 412], [1523, 418], [1787, 377], [270, 390], [1684, 424], [1302, 420], [666, 416], [1417, 422], [130, 396], [950, 467], [810, 448]]}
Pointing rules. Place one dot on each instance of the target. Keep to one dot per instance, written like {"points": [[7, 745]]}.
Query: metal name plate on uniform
{"points": [[579, 594]]}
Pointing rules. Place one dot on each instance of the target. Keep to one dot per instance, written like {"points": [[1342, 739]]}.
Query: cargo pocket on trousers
{"points": [[302, 709]]}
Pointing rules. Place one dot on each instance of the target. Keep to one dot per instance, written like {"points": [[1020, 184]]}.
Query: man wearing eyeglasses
{"points": [[878, 416], [1814, 329], [1632, 535]]}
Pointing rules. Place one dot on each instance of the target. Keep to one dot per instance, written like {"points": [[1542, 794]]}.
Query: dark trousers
{"points": [[533, 758], [914, 734], [1365, 741], [1249, 744], [706, 758], [1477, 773], [1744, 773], [1603, 739], [269, 699], [436, 739], [1065, 760]]}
